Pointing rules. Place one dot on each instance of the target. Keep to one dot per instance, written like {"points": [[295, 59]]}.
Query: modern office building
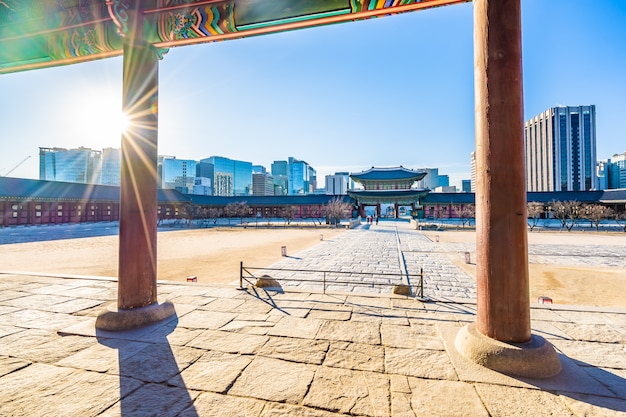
{"points": [[612, 172], [561, 149], [473, 172], [202, 186], [111, 166], [444, 181], [178, 174], [466, 186], [431, 180], [338, 184], [230, 177], [262, 184], [301, 177], [80, 165]]}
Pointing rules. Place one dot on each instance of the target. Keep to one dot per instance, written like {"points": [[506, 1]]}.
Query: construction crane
{"points": [[16, 166]]}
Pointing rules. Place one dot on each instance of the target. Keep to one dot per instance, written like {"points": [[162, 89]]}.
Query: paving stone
{"points": [[25, 392], [592, 332], [603, 355], [445, 398], [358, 332], [13, 344], [203, 319], [7, 330], [411, 337], [295, 350], [153, 400], [195, 300], [613, 379], [274, 380], [74, 306], [520, 402], [356, 356], [223, 304], [329, 314], [421, 363], [8, 364], [280, 410], [158, 362], [55, 349], [248, 326], [103, 358], [350, 392], [594, 406], [216, 405], [214, 371], [228, 342], [296, 327]]}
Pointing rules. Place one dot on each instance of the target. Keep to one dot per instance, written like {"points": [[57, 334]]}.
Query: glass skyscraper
{"points": [[80, 165], [178, 174], [561, 149], [230, 177]]}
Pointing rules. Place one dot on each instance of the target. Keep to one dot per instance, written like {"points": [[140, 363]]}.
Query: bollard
{"points": [[467, 258], [545, 300], [283, 250], [436, 238], [321, 237]]}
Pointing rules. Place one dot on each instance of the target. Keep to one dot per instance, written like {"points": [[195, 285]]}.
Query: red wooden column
{"points": [[501, 338], [138, 188], [137, 303], [501, 236]]}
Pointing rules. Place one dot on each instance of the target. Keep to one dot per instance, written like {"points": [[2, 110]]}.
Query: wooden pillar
{"points": [[503, 307], [138, 188]]}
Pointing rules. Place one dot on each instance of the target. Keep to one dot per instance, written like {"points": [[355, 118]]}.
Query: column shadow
{"points": [[150, 380]]}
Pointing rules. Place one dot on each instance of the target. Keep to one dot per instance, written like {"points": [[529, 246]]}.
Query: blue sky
{"points": [[384, 92]]}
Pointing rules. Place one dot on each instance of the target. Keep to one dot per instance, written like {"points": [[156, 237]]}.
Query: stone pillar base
{"points": [[534, 359], [116, 319]]}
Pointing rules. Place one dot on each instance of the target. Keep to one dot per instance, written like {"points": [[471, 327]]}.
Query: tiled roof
{"points": [[256, 200], [388, 174], [28, 189]]}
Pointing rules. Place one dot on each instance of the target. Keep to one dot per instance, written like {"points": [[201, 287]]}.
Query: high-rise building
{"points": [[178, 174], [444, 181], [262, 184], [338, 184], [431, 180], [612, 172], [80, 165], [561, 149], [466, 186], [301, 177], [111, 166], [473, 172], [230, 177]]}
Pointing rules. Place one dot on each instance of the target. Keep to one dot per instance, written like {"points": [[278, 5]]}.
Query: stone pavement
{"points": [[389, 247], [258, 353]]}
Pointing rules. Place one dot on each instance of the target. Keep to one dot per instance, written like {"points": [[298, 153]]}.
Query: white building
{"points": [[338, 184], [561, 149]]}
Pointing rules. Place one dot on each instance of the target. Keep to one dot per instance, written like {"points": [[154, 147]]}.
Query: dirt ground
{"points": [[572, 285], [212, 255]]}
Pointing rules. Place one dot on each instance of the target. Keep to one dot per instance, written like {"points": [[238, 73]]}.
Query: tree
{"points": [[188, 213], [595, 213], [287, 213], [337, 209], [620, 219], [230, 210], [214, 213], [568, 212], [534, 214], [466, 212]]}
